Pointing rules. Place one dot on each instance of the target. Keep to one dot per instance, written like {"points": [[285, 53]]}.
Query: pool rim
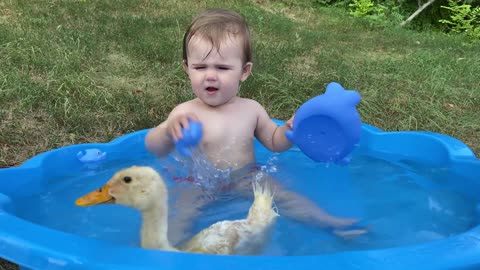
{"points": [[39, 247]]}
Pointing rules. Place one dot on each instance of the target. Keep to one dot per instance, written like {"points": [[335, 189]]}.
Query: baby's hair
{"points": [[216, 25]]}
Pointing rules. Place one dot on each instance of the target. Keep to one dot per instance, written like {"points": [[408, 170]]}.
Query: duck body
{"points": [[144, 189], [244, 237]]}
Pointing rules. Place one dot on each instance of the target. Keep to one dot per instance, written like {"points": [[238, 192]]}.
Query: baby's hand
{"points": [[176, 123], [290, 122]]}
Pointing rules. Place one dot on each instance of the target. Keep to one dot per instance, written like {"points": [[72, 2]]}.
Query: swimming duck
{"points": [[144, 189]]}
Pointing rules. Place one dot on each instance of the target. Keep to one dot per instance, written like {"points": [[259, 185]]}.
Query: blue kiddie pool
{"points": [[416, 192]]}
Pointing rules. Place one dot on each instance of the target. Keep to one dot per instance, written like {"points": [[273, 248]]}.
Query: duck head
{"points": [[137, 187]]}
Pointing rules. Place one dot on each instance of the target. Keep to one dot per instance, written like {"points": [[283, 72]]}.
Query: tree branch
{"points": [[420, 9]]}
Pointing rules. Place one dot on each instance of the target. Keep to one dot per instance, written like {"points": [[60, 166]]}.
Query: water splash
{"points": [[201, 172]]}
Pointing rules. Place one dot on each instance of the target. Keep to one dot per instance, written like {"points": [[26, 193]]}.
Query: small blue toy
{"points": [[327, 127], [91, 155], [191, 137]]}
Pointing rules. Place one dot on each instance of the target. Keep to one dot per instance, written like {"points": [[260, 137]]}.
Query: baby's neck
{"points": [[219, 107]]}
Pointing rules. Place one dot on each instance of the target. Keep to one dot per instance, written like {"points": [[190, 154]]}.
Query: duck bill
{"points": [[99, 196]]}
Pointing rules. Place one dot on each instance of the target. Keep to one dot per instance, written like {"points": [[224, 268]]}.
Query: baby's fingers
{"points": [[181, 122], [290, 122], [176, 132], [184, 122], [192, 116]]}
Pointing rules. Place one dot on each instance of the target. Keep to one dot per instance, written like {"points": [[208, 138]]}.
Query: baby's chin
{"points": [[215, 102]]}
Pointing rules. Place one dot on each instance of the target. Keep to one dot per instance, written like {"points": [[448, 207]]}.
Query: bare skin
{"points": [[230, 125], [228, 130]]}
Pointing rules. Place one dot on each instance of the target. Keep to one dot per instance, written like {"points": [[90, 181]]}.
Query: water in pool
{"points": [[401, 203]]}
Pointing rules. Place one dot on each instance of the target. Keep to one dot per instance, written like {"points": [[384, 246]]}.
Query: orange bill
{"points": [[98, 196]]}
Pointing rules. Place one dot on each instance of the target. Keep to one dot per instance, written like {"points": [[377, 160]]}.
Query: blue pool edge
{"points": [[39, 247]]}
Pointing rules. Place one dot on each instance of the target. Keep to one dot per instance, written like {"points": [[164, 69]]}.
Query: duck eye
{"points": [[127, 179]]}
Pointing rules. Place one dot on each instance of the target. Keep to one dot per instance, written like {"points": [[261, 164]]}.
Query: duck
{"points": [[144, 189]]}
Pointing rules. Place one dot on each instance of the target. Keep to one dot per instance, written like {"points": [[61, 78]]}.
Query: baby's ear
{"points": [[184, 65], [246, 71]]}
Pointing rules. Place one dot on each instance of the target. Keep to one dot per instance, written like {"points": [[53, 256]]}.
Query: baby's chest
{"points": [[229, 131]]}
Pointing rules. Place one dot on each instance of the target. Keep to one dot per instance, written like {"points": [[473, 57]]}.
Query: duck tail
{"points": [[262, 212]]}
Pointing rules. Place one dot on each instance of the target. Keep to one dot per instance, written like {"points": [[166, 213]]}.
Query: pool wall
{"points": [[36, 247]]}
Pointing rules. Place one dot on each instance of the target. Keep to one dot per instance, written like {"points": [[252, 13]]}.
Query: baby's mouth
{"points": [[211, 89]]}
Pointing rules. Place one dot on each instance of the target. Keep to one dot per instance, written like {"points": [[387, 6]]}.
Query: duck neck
{"points": [[155, 227]]}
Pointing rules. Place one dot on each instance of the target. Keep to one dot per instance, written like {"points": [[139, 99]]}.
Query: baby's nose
{"points": [[211, 75]]}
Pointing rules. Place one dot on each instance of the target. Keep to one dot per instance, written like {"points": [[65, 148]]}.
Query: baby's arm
{"points": [[270, 134], [160, 140]]}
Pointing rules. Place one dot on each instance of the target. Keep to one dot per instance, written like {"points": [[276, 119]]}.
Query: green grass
{"points": [[5, 265], [89, 71]]}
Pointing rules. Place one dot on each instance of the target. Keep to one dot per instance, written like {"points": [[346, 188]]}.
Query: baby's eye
{"points": [[127, 179], [199, 68], [223, 68]]}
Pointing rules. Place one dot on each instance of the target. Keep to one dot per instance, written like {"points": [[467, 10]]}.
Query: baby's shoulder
{"points": [[187, 106], [250, 103]]}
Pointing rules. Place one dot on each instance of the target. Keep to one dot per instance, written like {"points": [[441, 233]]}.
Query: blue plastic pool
{"points": [[430, 181]]}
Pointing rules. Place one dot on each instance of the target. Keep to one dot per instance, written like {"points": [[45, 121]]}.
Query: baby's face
{"points": [[216, 75]]}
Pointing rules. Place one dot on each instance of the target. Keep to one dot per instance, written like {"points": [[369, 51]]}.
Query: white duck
{"points": [[144, 189]]}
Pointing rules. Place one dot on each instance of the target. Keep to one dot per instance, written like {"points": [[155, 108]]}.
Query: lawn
{"points": [[89, 71]]}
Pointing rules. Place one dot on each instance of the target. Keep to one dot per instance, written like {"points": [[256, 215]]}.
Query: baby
{"points": [[217, 56]]}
